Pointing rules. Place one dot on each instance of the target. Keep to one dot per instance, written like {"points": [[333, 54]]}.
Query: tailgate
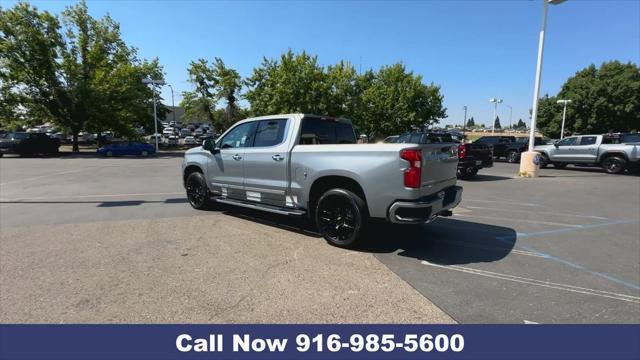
{"points": [[439, 164]]}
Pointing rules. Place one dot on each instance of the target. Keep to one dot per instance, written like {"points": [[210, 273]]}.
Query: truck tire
{"points": [[613, 164], [197, 191], [339, 216], [544, 161], [513, 157]]}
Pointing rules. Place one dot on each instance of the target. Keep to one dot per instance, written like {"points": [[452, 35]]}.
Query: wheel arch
{"points": [[327, 182]]}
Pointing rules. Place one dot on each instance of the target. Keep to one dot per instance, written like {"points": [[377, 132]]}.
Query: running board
{"points": [[263, 207]]}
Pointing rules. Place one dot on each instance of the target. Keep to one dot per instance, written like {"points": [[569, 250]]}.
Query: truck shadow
{"points": [[446, 241]]}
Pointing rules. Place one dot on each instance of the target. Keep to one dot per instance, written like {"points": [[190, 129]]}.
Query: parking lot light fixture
{"points": [[148, 81], [528, 168], [564, 115], [510, 116], [495, 102]]}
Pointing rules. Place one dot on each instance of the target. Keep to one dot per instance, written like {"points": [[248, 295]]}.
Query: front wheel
{"points": [[339, 216], [613, 165], [144, 153], [513, 157], [544, 161], [197, 191]]}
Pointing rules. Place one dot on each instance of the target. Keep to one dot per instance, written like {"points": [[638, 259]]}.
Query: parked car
{"points": [[185, 132], [497, 143], [26, 144], [591, 150], [127, 148], [471, 157], [190, 140], [309, 165], [391, 139], [515, 149], [168, 131]]}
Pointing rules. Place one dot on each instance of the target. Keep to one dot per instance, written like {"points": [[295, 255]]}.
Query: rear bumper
{"points": [[425, 209]]}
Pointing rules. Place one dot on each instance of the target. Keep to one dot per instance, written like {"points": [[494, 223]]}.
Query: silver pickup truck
{"points": [[309, 165], [614, 155]]}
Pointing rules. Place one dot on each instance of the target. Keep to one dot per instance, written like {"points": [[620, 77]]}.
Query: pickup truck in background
{"points": [[309, 165], [471, 156], [28, 144], [515, 149], [497, 143], [614, 156]]}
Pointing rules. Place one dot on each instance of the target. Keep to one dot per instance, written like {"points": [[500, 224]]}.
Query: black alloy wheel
{"points": [[513, 157], [339, 216], [613, 165], [197, 191]]}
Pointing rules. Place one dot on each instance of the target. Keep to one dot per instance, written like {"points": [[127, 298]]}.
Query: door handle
{"points": [[277, 157], [237, 157]]}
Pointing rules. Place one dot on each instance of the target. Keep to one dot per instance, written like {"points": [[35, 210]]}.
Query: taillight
{"points": [[413, 174], [462, 151]]}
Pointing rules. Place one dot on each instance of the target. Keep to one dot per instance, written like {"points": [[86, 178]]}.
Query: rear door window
{"points": [[588, 140]]}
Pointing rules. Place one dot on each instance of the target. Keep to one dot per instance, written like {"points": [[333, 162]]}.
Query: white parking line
{"points": [[519, 220], [88, 196], [529, 212], [547, 284]]}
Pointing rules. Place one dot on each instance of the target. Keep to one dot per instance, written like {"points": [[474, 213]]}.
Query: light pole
{"points": [[155, 113], [495, 102], [173, 104], [527, 166], [464, 124], [510, 115], [564, 115]]}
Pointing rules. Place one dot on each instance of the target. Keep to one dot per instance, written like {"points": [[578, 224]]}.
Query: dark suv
{"points": [[26, 144]]}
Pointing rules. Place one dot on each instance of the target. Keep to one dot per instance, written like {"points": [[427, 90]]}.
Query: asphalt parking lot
{"points": [[114, 240]]}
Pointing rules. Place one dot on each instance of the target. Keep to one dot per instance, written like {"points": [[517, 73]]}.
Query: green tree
{"points": [[293, 83], [471, 123], [395, 100], [603, 99], [213, 83], [77, 72], [496, 123], [197, 108], [521, 125]]}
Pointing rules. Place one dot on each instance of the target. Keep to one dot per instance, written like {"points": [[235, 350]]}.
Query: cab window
{"points": [[238, 137], [568, 141], [588, 140], [270, 132]]}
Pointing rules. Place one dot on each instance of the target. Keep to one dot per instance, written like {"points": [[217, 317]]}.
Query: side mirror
{"points": [[210, 146], [556, 144]]}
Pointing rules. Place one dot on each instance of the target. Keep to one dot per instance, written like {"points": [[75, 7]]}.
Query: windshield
{"points": [[18, 136]]}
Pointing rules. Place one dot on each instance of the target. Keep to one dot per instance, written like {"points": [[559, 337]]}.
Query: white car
{"points": [[190, 140], [168, 131], [185, 132], [198, 132]]}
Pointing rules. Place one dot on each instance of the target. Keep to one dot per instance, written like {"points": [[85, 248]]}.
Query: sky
{"points": [[474, 50]]}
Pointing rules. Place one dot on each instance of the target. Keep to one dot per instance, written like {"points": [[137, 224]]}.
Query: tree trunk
{"points": [[76, 148]]}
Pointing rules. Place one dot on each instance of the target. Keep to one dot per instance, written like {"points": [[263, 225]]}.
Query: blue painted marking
{"points": [[509, 240]]}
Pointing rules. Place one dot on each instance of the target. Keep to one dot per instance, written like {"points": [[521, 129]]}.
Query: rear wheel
{"points": [[613, 165], [197, 191], [513, 157], [339, 216]]}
